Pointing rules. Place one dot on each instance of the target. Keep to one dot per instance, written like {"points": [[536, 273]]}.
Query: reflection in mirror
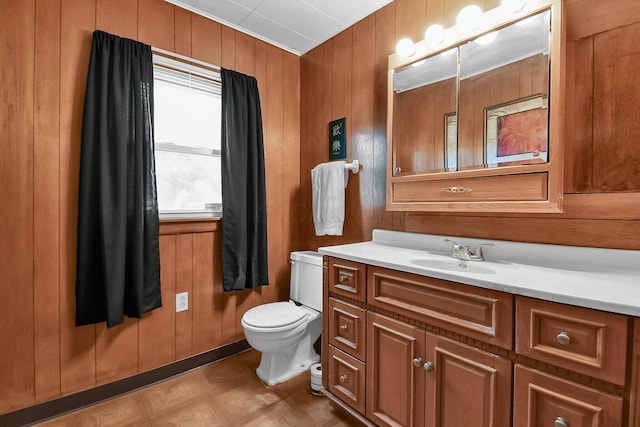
{"points": [[500, 116], [424, 114], [503, 110]]}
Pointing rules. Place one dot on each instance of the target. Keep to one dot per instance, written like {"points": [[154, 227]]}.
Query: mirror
{"points": [[480, 104]]}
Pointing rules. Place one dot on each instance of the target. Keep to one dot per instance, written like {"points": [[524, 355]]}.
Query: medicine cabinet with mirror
{"points": [[475, 122]]}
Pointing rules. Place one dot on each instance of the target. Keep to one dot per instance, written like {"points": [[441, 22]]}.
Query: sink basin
{"points": [[451, 264]]}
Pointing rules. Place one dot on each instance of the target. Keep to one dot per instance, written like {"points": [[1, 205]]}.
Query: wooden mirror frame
{"points": [[519, 189]]}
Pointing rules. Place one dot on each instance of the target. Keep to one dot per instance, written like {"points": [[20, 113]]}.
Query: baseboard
{"points": [[53, 408]]}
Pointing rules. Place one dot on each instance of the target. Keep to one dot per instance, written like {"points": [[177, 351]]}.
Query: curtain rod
{"points": [[184, 58]]}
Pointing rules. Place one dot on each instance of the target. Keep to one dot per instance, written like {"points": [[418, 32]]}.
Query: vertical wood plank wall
{"points": [[602, 156], [44, 55]]}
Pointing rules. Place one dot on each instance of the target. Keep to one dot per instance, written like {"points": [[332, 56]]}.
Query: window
{"points": [[187, 122]]}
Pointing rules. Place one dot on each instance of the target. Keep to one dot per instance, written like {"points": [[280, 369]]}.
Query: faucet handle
{"points": [[477, 253], [455, 244]]}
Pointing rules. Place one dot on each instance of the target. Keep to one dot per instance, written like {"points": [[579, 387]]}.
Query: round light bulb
{"points": [[435, 34], [405, 47], [469, 18], [513, 6]]}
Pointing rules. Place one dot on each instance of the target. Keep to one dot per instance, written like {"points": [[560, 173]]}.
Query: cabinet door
{"points": [[395, 386], [542, 400], [466, 386]]}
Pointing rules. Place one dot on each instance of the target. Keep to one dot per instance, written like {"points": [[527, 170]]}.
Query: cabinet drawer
{"points": [[521, 187], [544, 400], [347, 328], [346, 379], [482, 314], [579, 339], [348, 279]]}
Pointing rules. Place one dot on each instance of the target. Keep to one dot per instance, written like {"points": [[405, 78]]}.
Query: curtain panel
{"points": [[118, 259], [244, 241]]}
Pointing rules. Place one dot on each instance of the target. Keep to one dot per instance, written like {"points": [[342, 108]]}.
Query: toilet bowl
{"points": [[285, 332]]}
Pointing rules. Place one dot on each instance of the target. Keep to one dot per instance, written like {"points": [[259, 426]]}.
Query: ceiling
{"points": [[294, 25]]}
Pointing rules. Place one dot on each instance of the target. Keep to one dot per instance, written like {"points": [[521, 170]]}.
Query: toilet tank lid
{"points": [[274, 315], [307, 256]]}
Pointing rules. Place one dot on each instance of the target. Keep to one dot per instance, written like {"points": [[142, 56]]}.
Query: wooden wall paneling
{"points": [[205, 335], [182, 31], [46, 199], [206, 40], [384, 46], [275, 165], [16, 215], [616, 109], [587, 17], [618, 234], [362, 112], [77, 344], [116, 351], [411, 17], [291, 139], [184, 283], [218, 297], [245, 60], [157, 337], [119, 17], [156, 24], [341, 94], [311, 104], [228, 60], [578, 140]]}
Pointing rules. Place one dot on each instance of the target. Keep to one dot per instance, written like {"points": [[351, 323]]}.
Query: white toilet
{"points": [[285, 332]]}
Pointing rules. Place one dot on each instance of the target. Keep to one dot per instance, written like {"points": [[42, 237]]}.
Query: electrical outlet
{"points": [[182, 301]]}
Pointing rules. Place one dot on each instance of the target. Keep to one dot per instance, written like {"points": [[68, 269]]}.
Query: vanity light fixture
{"points": [[405, 47], [469, 18], [435, 34], [513, 6]]}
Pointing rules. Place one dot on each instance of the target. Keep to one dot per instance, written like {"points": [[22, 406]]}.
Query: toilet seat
{"points": [[276, 316]]}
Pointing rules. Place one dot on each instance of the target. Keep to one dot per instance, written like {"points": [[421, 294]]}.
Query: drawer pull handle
{"points": [[454, 189], [343, 278], [428, 366], [417, 362], [344, 327], [560, 422], [563, 338], [343, 378]]}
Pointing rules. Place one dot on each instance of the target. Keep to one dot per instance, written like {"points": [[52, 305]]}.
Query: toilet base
{"points": [[271, 371], [281, 366]]}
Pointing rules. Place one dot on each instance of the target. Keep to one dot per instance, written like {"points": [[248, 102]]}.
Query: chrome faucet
{"points": [[464, 253]]}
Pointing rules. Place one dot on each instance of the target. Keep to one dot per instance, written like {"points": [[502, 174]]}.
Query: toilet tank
{"points": [[306, 279]]}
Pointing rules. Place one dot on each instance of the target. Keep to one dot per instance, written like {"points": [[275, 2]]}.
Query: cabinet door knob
{"points": [[563, 338], [343, 277], [428, 366], [343, 378], [344, 327], [560, 422], [417, 362]]}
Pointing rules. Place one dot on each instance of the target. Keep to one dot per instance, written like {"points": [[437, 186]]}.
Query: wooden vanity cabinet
{"points": [[420, 352], [542, 400]]}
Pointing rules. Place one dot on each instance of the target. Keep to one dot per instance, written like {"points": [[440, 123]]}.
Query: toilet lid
{"points": [[274, 315]]}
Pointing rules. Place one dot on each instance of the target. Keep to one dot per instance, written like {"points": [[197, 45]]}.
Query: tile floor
{"points": [[226, 393]]}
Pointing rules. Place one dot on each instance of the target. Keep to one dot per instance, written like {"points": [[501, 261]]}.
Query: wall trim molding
{"points": [[57, 407]]}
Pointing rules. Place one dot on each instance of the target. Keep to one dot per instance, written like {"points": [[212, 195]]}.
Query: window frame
{"points": [[193, 73]]}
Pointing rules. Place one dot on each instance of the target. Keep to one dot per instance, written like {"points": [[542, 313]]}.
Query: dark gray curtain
{"points": [[118, 262], [244, 241]]}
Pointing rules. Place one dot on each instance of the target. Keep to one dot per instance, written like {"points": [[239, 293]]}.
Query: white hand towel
{"points": [[328, 181]]}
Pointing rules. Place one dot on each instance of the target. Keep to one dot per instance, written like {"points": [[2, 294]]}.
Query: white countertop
{"points": [[603, 279]]}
